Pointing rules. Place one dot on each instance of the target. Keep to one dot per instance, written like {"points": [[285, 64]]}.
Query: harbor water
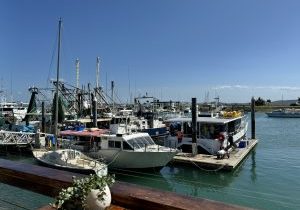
{"points": [[267, 179]]}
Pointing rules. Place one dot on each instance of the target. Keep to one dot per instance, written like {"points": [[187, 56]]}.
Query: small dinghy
{"points": [[70, 160]]}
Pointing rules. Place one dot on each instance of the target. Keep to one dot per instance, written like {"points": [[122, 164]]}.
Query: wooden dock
{"points": [[212, 162], [50, 181]]}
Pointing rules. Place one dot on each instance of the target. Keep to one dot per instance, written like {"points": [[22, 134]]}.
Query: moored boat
{"points": [[121, 150], [70, 160], [214, 134], [284, 113]]}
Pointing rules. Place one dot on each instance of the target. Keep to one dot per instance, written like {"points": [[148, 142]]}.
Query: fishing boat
{"points": [[121, 149], [70, 160], [145, 123], [14, 109], [284, 113], [214, 134]]}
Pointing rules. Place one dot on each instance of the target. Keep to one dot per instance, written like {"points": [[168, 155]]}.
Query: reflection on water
{"points": [[253, 166]]}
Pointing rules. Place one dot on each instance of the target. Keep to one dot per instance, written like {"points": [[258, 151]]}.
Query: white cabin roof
{"points": [[204, 120]]}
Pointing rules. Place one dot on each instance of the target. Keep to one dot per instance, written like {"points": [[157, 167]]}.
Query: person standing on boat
{"points": [[179, 136]]}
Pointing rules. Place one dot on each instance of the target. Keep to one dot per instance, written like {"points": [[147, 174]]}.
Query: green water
{"points": [[267, 179]]}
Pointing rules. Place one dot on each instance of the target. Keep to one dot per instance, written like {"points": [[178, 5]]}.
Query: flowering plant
{"points": [[74, 197]]}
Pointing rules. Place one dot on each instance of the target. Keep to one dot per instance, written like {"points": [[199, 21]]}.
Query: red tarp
{"points": [[95, 133]]}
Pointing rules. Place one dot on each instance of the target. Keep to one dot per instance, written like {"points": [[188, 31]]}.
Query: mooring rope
{"points": [[207, 170]]}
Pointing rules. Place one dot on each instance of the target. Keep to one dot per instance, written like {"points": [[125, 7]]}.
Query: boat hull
{"points": [[75, 170], [133, 159], [283, 115], [55, 159]]}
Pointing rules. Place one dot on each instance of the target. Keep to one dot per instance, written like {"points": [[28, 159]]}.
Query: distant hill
{"points": [[283, 102]]}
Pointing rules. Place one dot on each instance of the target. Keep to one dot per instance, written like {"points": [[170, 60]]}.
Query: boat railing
{"points": [[12, 137]]}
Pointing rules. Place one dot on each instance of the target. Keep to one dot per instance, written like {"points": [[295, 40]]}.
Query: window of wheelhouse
{"points": [[211, 131], [126, 146], [233, 126], [114, 144]]}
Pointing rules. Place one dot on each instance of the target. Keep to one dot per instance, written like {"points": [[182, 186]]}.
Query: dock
{"points": [[50, 181], [212, 162]]}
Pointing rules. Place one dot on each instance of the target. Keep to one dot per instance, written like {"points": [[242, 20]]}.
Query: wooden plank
{"points": [[34, 178], [111, 207], [136, 197], [49, 182]]}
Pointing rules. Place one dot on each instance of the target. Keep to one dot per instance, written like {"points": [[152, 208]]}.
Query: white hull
{"points": [[71, 160], [283, 115], [133, 159], [155, 157]]}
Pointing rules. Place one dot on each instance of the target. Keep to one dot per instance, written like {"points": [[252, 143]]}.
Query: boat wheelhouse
{"points": [[213, 133]]}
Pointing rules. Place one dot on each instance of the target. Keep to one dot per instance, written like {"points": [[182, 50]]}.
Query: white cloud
{"points": [[285, 88]]}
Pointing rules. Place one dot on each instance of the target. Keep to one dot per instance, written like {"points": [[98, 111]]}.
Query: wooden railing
{"points": [[50, 181]]}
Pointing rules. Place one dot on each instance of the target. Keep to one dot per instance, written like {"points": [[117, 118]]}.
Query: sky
{"points": [[169, 49]]}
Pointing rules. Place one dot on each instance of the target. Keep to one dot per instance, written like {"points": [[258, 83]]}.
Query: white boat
{"points": [[284, 113], [145, 124], [18, 110], [213, 133], [134, 151], [70, 160]]}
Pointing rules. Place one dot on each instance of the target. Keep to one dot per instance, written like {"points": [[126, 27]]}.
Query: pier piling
{"points": [[94, 105], [252, 118], [43, 117], [194, 127]]}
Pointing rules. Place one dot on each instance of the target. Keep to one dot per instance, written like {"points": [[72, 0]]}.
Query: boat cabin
{"points": [[94, 140], [207, 127]]}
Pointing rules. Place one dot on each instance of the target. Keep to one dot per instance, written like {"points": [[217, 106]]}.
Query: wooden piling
{"points": [[94, 107], [79, 103], [43, 117], [252, 118], [194, 126]]}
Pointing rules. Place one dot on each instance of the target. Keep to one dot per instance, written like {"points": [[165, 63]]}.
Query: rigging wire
{"points": [[52, 59]]}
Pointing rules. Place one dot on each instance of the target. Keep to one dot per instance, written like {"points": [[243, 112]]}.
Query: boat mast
{"points": [[57, 80]]}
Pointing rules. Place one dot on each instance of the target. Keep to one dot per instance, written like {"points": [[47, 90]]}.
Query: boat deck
{"points": [[212, 162]]}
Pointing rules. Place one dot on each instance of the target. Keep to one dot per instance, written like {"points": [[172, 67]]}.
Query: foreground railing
{"points": [[49, 182]]}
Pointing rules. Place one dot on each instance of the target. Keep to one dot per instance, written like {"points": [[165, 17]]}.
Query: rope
{"points": [[115, 157], [207, 170]]}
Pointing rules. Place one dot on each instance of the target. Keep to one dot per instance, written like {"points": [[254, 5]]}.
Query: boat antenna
{"points": [[11, 91], [112, 95], [128, 72], [57, 80], [77, 63], [97, 72]]}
